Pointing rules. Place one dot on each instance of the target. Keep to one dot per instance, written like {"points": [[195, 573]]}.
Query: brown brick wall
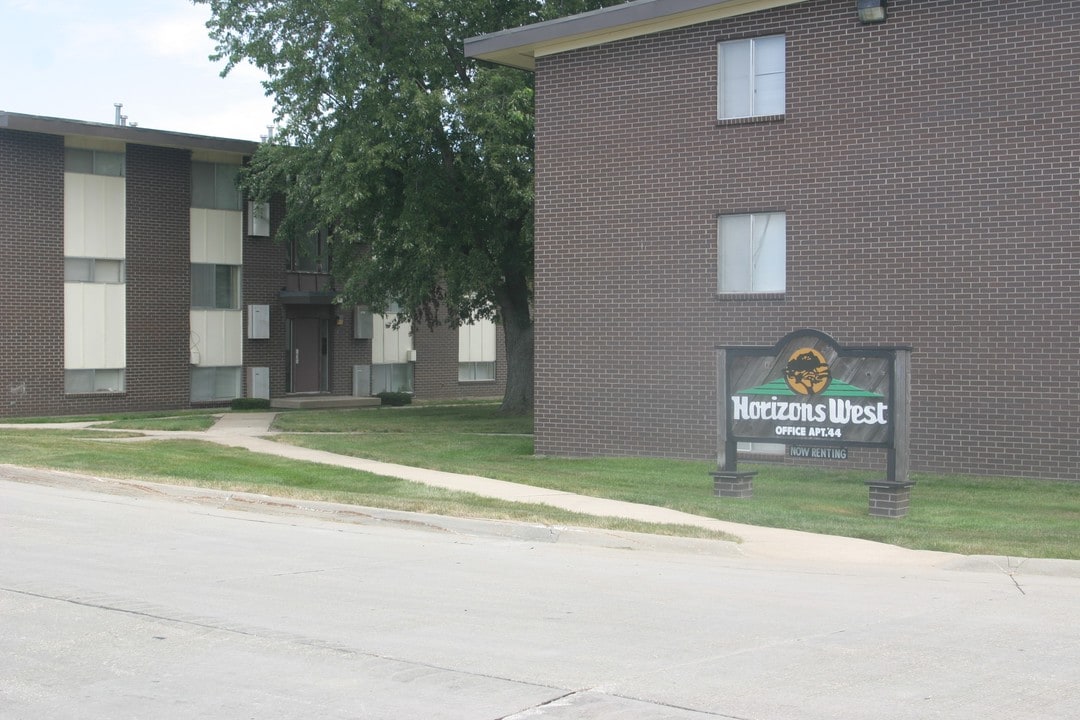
{"points": [[158, 265], [159, 278], [927, 167], [264, 272], [436, 370], [157, 268], [31, 273], [346, 351]]}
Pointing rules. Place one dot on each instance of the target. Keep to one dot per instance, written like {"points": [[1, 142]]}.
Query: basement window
{"points": [[86, 382], [209, 384]]}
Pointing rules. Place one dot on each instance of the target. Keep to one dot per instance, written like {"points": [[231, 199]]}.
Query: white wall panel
{"points": [[476, 342], [217, 337], [95, 326], [95, 209], [387, 344], [73, 326], [217, 236]]}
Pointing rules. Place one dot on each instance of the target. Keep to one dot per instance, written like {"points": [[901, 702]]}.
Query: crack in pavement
{"points": [[259, 633]]}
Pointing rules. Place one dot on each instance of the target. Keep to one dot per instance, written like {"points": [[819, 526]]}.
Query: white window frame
{"points": [[751, 253], [476, 351], [94, 162], [94, 270], [751, 77], [309, 252], [221, 376], [97, 380], [220, 185], [234, 295], [479, 371], [391, 377]]}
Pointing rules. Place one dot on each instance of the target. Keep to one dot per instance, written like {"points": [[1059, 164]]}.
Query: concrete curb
{"points": [[236, 501], [248, 431]]}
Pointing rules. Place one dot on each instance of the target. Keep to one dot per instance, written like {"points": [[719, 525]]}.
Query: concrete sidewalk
{"points": [[250, 430]]}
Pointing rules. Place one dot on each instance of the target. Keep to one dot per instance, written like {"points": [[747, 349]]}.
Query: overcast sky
{"points": [[75, 58]]}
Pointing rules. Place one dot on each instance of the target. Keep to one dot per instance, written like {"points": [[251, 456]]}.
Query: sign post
{"points": [[819, 398], [727, 480]]}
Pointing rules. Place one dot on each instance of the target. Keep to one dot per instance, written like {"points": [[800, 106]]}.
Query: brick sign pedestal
{"points": [[889, 500], [733, 484]]}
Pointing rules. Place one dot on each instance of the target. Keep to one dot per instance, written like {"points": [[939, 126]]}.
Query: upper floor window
{"points": [[94, 162], [213, 186], [751, 77], [752, 253], [215, 287], [93, 270], [310, 252]]}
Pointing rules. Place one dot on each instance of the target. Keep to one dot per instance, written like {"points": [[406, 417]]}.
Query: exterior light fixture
{"points": [[870, 11]]}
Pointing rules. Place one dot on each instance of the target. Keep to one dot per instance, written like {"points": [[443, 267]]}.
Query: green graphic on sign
{"points": [[837, 388]]}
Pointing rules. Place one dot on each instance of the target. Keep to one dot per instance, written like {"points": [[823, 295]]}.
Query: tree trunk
{"points": [[516, 315]]}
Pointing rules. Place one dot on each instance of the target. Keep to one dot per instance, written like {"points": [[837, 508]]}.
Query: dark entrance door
{"points": [[307, 354]]}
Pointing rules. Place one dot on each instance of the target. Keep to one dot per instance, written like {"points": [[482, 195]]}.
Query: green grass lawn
{"points": [[202, 464], [413, 419], [204, 417], [996, 516], [174, 423]]}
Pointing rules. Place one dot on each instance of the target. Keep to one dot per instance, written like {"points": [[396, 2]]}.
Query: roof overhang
{"points": [[519, 47], [123, 133]]}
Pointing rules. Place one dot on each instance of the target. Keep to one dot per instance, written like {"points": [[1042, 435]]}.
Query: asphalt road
{"points": [[139, 603]]}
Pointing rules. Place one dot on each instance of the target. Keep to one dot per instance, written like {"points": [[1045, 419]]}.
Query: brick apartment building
{"points": [[723, 172], [136, 277]]}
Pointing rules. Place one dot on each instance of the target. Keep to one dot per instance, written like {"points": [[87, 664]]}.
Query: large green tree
{"points": [[419, 160]]}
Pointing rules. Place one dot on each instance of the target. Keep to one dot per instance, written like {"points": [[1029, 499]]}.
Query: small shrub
{"points": [[250, 404], [395, 398]]}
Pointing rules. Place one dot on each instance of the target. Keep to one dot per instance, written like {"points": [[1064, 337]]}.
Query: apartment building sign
{"points": [[816, 396]]}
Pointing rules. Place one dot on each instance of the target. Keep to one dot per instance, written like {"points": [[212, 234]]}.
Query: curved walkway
{"points": [[249, 431]]}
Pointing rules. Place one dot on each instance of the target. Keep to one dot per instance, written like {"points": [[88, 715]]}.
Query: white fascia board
{"points": [[519, 47]]}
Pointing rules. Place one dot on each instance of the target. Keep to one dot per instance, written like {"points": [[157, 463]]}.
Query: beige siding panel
{"points": [[476, 342], [94, 216], [94, 143], [73, 326], [387, 344], [115, 326], [217, 236], [95, 326], [217, 338]]}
